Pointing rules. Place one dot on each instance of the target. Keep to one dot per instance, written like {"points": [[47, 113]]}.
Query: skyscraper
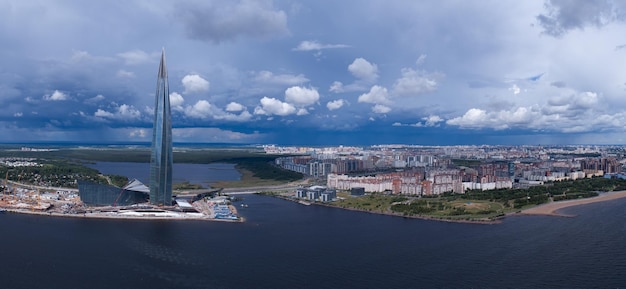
{"points": [[161, 160]]}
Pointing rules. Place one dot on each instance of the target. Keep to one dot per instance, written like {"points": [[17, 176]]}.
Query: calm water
{"points": [[201, 174], [287, 245]]}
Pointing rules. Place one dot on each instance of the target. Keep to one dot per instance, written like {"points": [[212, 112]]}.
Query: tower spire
{"points": [[161, 158]]}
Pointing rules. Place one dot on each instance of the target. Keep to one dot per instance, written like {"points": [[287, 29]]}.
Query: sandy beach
{"points": [[552, 208]]}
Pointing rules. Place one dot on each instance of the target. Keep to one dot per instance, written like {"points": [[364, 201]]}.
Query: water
{"points": [[286, 245], [201, 174]]}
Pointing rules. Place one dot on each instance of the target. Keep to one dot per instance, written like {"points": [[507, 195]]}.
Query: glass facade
{"points": [[161, 160], [93, 194]]}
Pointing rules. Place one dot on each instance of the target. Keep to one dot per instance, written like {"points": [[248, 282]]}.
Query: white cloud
{"points": [[420, 60], [301, 96], [138, 133], [103, 113], [376, 95], [302, 111], [18, 114], [95, 99], [379, 108], [235, 107], [271, 106], [195, 83], [176, 101], [336, 87], [123, 112], [202, 109], [335, 104], [56, 96], [363, 69], [515, 89], [137, 56], [205, 110], [413, 82], [125, 74], [281, 79], [314, 45], [581, 112]]}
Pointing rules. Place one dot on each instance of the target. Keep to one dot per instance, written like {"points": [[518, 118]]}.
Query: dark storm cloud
{"points": [[565, 15], [215, 23]]}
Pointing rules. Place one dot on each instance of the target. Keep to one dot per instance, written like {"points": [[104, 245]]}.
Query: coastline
{"points": [[496, 220], [551, 209], [120, 217]]}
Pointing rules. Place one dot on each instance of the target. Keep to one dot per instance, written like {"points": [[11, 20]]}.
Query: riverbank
{"points": [[551, 209]]}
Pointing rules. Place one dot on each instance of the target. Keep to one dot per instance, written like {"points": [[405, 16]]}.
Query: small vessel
{"points": [[304, 203], [244, 205], [2, 211]]}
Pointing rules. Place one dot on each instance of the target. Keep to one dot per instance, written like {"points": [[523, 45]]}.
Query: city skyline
{"points": [[321, 73], [161, 156]]}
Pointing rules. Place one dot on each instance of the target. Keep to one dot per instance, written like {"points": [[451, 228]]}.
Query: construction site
{"points": [[203, 205]]}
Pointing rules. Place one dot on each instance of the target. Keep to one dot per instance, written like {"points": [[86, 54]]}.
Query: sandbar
{"points": [[551, 209]]}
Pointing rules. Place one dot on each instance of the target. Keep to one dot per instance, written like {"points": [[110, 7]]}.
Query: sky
{"points": [[503, 72]]}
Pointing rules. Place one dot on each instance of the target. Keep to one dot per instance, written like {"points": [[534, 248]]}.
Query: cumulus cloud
{"points": [[138, 133], [363, 69], [176, 101], [575, 113], [271, 106], [563, 16], [95, 99], [314, 45], [335, 104], [234, 107], [205, 110], [301, 96], [414, 82], [336, 87], [222, 21], [201, 109], [195, 83], [429, 121], [302, 111], [376, 95], [379, 108], [281, 79], [18, 114], [123, 112], [55, 96]]}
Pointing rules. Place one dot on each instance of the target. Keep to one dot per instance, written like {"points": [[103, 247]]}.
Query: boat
{"points": [[244, 205], [304, 203], [2, 211]]}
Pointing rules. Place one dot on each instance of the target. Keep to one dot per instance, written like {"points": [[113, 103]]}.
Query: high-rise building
{"points": [[161, 160]]}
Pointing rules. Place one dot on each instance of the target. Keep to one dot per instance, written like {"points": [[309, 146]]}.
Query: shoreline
{"points": [[552, 208], [496, 220], [118, 217], [548, 209]]}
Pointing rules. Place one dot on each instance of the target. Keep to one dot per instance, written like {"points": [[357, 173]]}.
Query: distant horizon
{"points": [[218, 144]]}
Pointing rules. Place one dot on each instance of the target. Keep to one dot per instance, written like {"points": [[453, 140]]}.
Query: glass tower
{"points": [[161, 160]]}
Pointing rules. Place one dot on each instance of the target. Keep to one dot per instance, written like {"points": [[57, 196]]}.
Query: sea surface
{"points": [[283, 244], [201, 174]]}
